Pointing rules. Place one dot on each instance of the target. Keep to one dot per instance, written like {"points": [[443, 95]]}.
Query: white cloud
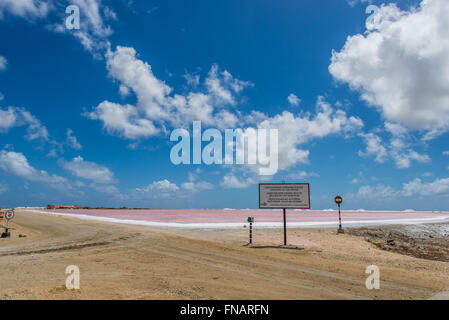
{"points": [[93, 33], [8, 119], [29, 9], [163, 186], [293, 100], [373, 147], [413, 188], [72, 141], [295, 131], [166, 189], [404, 160], [222, 86], [89, 170], [419, 188], [353, 3], [3, 63], [192, 80], [302, 175], [35, 128], [16, 164], [399, 147], [376, 192], [230, 181], [157, 107], [401, 65], [122, 120], [196, 186], [137, 75], [110, 190], [101, 178], [13, 116], [445, 153]]}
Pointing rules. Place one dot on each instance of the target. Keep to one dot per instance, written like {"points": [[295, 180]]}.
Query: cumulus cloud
{"points": [[230, 181], [157, 106], [163, 186], [166, 189], [375, 192], [100, 178], [420, 188], [192, 186], [94, 31], [401, 65], [89, 170], [72, 142], [416, 187], [192, 80], [123, 120], [399, 147], [8, 119], [353, 3], [296, 131], [374, 147], [29, 9], [302, 175], [14, 163], [293, 100], [213, 103], [14, 116]]}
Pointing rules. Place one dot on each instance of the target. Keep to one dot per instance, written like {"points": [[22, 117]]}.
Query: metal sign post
{"points": [[285, 227], [338, 200], [284, 196], [8, 216]]}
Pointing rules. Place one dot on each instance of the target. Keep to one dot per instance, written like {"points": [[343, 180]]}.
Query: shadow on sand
{"points": [[274, 247]]}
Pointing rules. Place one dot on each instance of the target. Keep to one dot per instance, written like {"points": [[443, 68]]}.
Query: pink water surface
{"points": [[220, 216]]}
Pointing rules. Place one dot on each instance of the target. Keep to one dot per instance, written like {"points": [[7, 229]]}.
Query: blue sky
{"points": [[86, 115]]}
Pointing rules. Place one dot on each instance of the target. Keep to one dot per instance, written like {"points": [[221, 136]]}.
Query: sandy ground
{"points": [[119, 261]]}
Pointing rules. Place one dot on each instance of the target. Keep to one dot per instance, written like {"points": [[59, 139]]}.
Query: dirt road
{"points": [[135, 262]]}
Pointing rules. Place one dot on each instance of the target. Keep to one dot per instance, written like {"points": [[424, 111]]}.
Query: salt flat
{"points": [[236, 218]]}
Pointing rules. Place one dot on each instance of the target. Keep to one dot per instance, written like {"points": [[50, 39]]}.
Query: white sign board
{"points": [[284, 195]]}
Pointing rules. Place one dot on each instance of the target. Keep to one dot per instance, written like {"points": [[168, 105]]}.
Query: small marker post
{"points": [[250, 220]]}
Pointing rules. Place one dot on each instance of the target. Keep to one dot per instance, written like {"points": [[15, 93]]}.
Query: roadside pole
{"points": [[285, 227], [8, 216], [338, 200]]}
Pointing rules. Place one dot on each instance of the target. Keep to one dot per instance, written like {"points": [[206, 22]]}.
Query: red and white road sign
{"points": [[9, 215]]}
